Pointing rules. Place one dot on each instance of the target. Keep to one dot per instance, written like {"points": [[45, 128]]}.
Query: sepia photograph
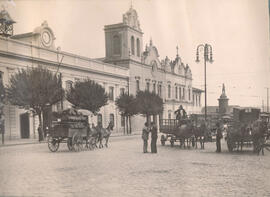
{"points": [[134, 98]]}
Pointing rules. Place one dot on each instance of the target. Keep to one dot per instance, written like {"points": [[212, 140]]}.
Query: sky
{"points": [[237, 30]]}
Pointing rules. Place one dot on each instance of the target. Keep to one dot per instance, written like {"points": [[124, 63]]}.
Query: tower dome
{"points": [[223, 102], [6, 24]]}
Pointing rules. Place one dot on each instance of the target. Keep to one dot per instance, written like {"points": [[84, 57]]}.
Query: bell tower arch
{"points": [[123, 41]]}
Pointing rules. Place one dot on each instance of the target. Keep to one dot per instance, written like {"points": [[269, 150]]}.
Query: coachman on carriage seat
{"points": [[181, 115]]}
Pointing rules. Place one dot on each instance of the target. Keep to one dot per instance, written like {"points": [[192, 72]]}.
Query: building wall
{"points": [[121, 70], [16, 54]]}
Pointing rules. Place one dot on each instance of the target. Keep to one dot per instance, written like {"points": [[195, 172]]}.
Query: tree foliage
{"points": [[34, 89], [126, 104], [2, 95], [148, 103], [87, 94]]}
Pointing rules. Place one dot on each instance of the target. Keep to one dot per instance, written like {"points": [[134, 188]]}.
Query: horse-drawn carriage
{"points": [[71, 127], [188, 130], [245, 129]]}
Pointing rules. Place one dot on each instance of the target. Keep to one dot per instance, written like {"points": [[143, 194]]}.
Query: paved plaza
{"points": [[123, 170]]}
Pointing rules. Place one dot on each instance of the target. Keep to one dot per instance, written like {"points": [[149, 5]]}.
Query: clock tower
{"points": [[45, 37], [42, 36]]}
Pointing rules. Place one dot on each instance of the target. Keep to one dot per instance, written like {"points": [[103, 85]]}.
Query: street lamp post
{"points": [[207, 49]]}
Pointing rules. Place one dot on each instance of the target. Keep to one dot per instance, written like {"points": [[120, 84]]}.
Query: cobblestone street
{"points": [[123, 170]]}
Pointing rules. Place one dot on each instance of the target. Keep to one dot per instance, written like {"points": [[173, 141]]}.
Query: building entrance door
{"points": [[24, 121]]}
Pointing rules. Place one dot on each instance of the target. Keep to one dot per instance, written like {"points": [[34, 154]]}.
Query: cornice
{"points": [[69, 66], [57, 52]]}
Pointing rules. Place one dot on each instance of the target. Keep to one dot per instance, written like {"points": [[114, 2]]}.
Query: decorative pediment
{"points": [[130, 18], [151, 55], [188, 71], [181, 69]]}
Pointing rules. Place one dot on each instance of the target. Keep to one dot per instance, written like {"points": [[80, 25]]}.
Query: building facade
{"points": [[125, 68], [170, 79]]}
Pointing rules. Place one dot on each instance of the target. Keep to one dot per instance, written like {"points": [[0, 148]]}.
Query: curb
{"points": [[45, 141]]}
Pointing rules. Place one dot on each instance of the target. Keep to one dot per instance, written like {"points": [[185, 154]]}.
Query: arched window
{"points": [[68, 85], [180, 93], [137, 85], [176, 92], [148, 86], [169, 91], [154, 88], [159, 90], [112, 118], [189, 96], [111, 93], [122, 91], [116, 45], [132, 46], [138, 48], [169, 114], [99, 120]]}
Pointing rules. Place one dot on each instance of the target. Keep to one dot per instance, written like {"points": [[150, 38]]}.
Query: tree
{"points": [[34, 89], [148, 103], [87, 94], [127, 107]]}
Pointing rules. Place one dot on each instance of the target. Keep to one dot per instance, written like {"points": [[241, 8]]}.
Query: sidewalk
{"points": [[16, 142]]}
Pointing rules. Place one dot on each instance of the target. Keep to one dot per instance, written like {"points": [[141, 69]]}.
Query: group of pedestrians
{"points": [[152, 128]]}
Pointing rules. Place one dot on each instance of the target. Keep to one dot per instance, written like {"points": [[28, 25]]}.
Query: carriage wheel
{"points": [[77, 142], [53, 144], [163, 140], [69, 144], [91, 143], [230, 145], [172, 142]]}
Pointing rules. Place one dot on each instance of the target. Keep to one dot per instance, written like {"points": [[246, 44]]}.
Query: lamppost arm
{"points": [[207, 48]]}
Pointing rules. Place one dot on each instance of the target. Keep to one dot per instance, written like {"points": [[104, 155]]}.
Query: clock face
{"points": [[46, 38]]}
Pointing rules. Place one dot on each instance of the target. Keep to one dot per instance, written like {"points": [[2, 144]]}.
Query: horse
{"points": [[259, 131], [105, 134], [93, 137], [184, 132], [200, 134], [240, 133]]}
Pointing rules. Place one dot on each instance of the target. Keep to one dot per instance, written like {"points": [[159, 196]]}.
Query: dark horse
{"points": [[259, 132], [105, 134], [200, 133], [185, 132]]}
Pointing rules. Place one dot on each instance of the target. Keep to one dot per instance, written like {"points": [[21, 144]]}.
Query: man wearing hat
{"points": [[218, 137]]}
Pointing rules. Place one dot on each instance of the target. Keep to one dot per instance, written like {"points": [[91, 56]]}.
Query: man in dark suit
{"points": [[218, 138], [154, 137], [145, 134]]}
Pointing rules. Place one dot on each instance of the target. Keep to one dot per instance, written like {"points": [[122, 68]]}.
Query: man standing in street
{"points": [[154, 137], [218, 138], [40, 137], [145, 134]]}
